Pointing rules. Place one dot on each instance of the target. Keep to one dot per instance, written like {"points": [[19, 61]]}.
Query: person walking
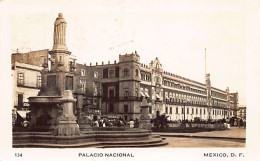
{"points": [[96, 123], [240, 123], [104, 123], [131, 123], [136, 123], [244, 123]]}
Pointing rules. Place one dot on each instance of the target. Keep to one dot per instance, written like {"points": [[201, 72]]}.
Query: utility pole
{"points": [[205, 61]]}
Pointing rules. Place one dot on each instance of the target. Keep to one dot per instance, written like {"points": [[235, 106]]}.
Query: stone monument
{"points": [[145, 120], [52, 109]]}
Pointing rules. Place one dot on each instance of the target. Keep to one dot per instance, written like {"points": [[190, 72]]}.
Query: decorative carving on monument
{"points": [[84, 120], [66, 120]]}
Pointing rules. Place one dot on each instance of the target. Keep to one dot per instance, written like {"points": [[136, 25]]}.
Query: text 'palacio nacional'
{"points": [[116, 89]]}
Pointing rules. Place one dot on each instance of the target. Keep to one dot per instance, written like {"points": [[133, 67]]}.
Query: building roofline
{"points": [[30, 51]]}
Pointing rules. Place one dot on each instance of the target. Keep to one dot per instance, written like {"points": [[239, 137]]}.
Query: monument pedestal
{"points": [[66, 128], [145, 120], [145, 124], [66, 121]]}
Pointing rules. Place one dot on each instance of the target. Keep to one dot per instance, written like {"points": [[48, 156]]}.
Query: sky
{"points": [[175, 32]]}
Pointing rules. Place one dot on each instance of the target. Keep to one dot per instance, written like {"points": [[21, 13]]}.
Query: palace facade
{"points": [[123, 85]]}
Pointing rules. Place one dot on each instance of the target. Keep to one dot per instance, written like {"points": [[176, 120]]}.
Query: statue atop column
{"points": [[60, 56], [59, 37]]}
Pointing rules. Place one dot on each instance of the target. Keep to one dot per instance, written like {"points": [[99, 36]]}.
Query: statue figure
{"points": [[59, 37]]}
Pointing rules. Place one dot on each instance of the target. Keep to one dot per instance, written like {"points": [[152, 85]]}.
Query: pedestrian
{"points": [[96, 123], [235, 122], [131, 123], [121, 123], [225, 125], [104, 123], [244, 123], [101, 123], [25, 123], [228, 126], [137, 123], [240, 123]]}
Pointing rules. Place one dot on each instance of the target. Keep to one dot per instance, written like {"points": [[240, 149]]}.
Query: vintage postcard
{"points": [[129, 80]]}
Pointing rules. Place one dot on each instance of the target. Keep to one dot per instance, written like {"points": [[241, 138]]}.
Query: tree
{"points": [[161, 121]]}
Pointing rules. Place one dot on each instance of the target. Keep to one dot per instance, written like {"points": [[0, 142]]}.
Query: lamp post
{"points": [[184, 106], [157, 104], [184, 110]]}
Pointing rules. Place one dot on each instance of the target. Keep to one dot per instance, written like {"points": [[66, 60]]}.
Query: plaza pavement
{"points": [[234, 133]]}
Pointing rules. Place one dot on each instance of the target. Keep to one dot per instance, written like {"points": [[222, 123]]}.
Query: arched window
{"points": [[136, 73], [126, 93], [82, 72], [158, 79], [166, 110], [157, 65], [60, 60], [125, 72], [149, 77], [142, 76]]}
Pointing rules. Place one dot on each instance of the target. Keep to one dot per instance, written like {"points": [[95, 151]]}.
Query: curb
{"points": [[208, 137]]}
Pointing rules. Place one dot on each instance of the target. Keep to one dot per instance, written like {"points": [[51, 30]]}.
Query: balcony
{"points": [[185, 103], [60, 63], [73, 66], [130, 98], [110, 99]]}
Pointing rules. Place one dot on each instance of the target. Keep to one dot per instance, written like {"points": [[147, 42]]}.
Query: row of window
{"points": [[127, 93], [168, 110], [185, 101], [187, 110], [145, 76], [183, 96], [21, 81], [219, 95], [83, 73], [182, 86], [218, 103], [110, 73]]}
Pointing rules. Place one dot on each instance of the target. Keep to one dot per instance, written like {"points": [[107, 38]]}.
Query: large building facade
{"points": [[123, 85]]}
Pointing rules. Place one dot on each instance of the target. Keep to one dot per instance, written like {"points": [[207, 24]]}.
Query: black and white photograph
{"points": [[130, 80]]}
